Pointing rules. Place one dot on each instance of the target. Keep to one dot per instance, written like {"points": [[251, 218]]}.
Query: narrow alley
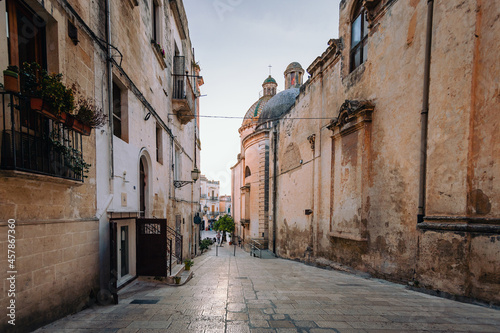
{"points": [[246, 294]]}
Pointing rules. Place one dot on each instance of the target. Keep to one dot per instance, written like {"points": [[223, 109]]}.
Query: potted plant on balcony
{"points": [[88, 116], [11, 79], [47, 93]]}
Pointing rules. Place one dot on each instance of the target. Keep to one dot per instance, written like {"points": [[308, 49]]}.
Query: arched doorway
{"points": [[142, 188], [144, 185]]}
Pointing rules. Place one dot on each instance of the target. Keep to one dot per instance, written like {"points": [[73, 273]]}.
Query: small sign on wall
{"points": [[124, 199]]}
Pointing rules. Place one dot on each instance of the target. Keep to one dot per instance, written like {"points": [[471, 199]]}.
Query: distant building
{"points": [[209, 200], [225, 205], [250, 175]]}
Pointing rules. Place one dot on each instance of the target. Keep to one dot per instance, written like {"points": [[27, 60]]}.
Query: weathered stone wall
{"points": [[57, 265], [56, 230], [463, 146], [363, 182]]}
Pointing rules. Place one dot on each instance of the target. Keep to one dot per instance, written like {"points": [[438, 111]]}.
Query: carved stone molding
{"points": [[351, 110], [375, 9], [312, 141]]}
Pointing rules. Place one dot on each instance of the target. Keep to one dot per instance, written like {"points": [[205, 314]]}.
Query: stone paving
{"points": [[245, 294]]}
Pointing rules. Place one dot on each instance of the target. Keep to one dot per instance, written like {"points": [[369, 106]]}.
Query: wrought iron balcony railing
{"points": [[32, 142], [183, 94]]}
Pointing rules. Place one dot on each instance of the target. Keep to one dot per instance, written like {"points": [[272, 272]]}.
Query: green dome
{"points": [[270, 79]]}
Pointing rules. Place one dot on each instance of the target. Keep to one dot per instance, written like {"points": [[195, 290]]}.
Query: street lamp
{"points": [[195, 175]]}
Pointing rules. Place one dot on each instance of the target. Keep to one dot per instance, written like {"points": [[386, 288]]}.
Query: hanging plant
{"points": [[72, 157], [90, 114]]}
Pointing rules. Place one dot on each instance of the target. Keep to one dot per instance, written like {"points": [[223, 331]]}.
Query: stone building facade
{"points": [[225, 205], [385, 162], [145, 79], [209, 200], [250, 175]]}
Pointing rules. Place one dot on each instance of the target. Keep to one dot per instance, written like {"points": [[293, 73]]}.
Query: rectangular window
{"points": [[159, 144], [26, 35], [117, 110], [155, 20], [359, 38]]}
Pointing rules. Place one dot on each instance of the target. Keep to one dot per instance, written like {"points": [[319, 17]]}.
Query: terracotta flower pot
{"points": [[37, 104], [10, 82], [81, 128], [67, 119]]}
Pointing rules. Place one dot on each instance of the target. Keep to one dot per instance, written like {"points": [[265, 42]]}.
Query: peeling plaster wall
{"points": [[363, 184]]}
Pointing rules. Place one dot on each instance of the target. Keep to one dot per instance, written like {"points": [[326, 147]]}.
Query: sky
{"points": [[235, 42]]}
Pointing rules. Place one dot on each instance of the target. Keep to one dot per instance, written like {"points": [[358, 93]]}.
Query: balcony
{"points": [[213, 213], [31, 142], [183, 93]]}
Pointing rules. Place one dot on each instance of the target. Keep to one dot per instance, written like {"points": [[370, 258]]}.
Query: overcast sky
{"points": [[235, 41]]}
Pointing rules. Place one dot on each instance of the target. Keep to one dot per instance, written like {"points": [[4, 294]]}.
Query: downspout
{"points": [[110, 91], [104, 230], [425, 114], [275, 186]]}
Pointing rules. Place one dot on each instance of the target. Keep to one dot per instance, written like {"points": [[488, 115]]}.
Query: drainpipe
{"points": [[275, 186], [425, 114], [104, 231], [110, 89]]}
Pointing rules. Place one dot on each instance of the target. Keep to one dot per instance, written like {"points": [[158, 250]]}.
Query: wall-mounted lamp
{"points": [[195, 174]]}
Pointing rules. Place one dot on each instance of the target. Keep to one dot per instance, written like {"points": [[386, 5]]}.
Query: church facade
{"points": [[385, 161], [250, 175]]}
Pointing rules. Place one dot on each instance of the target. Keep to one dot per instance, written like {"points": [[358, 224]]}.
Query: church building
{"points": [[250, 176], [385, 161]]}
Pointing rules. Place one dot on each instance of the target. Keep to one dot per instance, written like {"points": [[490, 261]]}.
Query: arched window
{"points": [[359, 36], [247, 172]]}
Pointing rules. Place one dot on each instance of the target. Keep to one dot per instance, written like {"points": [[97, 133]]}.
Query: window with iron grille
{"points": [[32, 142]]}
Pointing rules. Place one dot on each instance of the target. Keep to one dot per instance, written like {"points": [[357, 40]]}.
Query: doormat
{"points": [[144, 301]]}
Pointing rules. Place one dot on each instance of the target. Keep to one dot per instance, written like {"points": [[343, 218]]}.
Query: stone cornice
{"points": [[333, 50]]}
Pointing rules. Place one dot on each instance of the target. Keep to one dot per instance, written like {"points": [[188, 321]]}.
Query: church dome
{"points": [[279, 105], [294, 66], [254, 112], [270, 79]]}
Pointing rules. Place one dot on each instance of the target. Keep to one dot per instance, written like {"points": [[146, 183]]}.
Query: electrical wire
{"points": [[266, 120]]}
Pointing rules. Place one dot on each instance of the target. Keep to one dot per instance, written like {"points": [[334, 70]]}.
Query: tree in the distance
{"points": [[225, 224]]}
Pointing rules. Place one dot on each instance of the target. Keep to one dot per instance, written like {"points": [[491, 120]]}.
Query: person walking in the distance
{"points": [[218, 238]]}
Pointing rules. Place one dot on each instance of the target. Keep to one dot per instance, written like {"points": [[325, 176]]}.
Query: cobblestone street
{"points": [[245, 294]]}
